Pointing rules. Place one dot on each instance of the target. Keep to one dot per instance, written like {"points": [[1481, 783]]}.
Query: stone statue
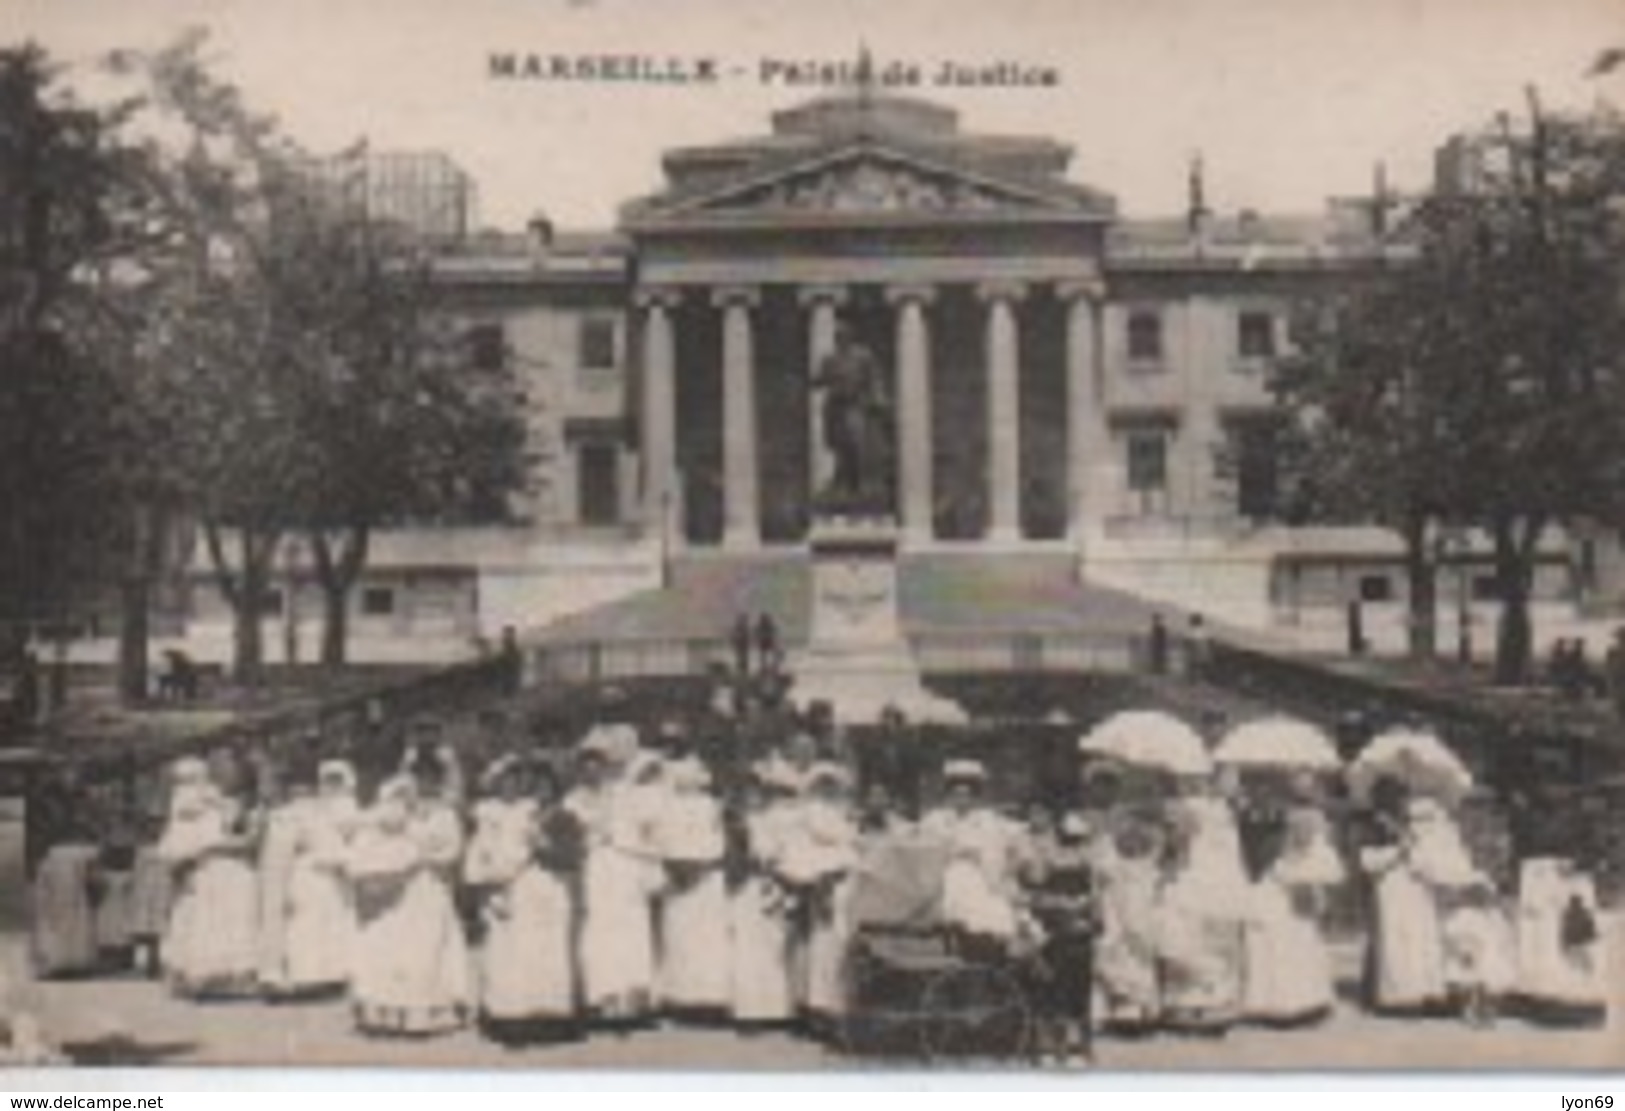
{"points": [[857, 419]]}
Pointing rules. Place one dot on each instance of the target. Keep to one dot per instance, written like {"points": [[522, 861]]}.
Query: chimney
{"points": [[540, 232], [1197, 213]]}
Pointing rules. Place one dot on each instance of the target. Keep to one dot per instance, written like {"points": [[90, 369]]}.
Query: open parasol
{"points": [[1149, 739], [1421, 761], [1278, 742]]}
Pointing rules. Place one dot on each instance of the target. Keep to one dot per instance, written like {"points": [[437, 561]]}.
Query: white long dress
{"points": [[1202, 911], [619, 875], [211, 948], [1288, 971], [759, 917], [695, 965], [1566, 977], [820, 850], [1408, 945], [411, 973], [321, 923], [525, 967], [307, 912]]}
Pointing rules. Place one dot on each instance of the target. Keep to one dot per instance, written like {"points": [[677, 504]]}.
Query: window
{"points": [[1147, 459], [1376, 588], [597, 343], [378, 601], [1486, 589], [1256, 471], [487, 347], [1145, 336], [1255, 335], [271, 602]]}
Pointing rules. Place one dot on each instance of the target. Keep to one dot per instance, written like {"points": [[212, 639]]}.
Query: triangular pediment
{"points": [[872, 179]]}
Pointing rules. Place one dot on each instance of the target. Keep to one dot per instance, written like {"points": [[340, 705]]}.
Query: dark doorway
{"points": [[598, 482]]}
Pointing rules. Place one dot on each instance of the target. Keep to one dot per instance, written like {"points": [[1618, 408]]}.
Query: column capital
{"points": [[1081, 289], [916, 293], [743, 296], [1007, 291], [824, 294], [658, 296]]}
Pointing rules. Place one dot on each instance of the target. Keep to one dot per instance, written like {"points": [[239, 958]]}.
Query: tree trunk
{"points": [[248, 641], [337, 575], [1514, 575], [335, 625], [244, 591], [133, 678], [1423, 590], [146, 557]]}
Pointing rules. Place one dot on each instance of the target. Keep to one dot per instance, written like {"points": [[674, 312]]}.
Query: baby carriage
{"points": [[917, 986]]}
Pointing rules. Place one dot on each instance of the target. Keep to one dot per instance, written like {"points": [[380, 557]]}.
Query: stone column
{"points": [[741, 502], [823, 302], [659, 418], [1003, 410], [915, 499], [1087, 437]]}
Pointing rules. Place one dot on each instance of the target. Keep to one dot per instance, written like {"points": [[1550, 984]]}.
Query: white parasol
{"points": [[1419, 760], [1278, 742], [1149, 739]]}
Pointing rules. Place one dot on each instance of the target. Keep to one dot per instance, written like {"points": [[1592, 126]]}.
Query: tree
{"points": [[1479, 384], [1358, 441], [313, 384], [405, 427], [73, 211]]}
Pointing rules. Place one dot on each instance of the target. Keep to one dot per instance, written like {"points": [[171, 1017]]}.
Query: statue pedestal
{"points": [[857, 658]]}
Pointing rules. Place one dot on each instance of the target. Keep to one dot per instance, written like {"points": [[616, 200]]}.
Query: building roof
{"points": [[916, 136]]}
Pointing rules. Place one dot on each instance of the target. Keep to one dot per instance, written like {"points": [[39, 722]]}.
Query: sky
{"points": [[1289, 101]]}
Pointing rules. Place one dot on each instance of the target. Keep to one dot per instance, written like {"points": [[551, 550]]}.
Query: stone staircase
{"points": [[939, 592]]}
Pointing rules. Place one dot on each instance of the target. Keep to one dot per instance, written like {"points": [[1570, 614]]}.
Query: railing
{"points": [[982, 651], [597, 661], [938, 653]]}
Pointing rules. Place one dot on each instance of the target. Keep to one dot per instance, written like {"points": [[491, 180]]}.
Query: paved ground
{"points": [[132, 1022]]}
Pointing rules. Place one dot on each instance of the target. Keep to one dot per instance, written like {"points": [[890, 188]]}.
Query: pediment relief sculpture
{"points": [[873, 186]]}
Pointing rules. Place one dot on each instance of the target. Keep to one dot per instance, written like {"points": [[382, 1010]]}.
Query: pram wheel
{"points": [[975, 1012]]}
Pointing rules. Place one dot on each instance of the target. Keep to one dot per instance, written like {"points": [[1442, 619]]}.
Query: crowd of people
{"points": [[658, 871]]}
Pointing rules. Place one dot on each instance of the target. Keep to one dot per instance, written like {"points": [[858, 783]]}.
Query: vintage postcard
{"points": [[772, 536]]}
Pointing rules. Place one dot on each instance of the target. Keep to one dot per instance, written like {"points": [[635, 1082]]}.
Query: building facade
{"points": [[1064, 379]]}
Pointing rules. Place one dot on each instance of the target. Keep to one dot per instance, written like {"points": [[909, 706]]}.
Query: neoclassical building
{"points": [[1070, 385]]}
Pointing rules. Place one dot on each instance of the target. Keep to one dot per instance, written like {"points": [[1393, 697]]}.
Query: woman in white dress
{"points": [[307, 908], [820, 849], [1415, 856], [526, 971], [1128, 878], [695, 963], [321, 905], [211, 950], [411, 972], [1562, 967], [620, 872], [759, 907], [1202, 908], [1288, 971]]}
